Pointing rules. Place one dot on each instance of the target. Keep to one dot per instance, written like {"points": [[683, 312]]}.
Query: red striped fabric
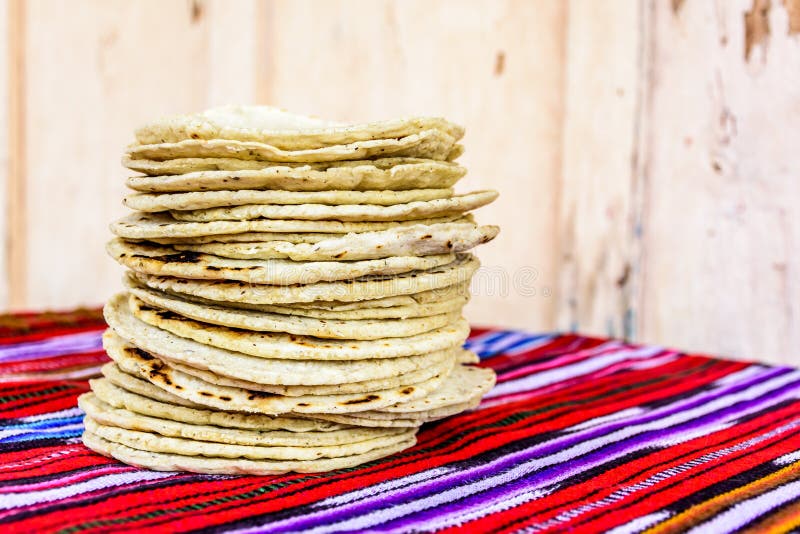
{"points": [[580, 433]]}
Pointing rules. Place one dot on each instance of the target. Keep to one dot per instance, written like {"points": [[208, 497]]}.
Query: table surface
{"points": [[580, 433]]}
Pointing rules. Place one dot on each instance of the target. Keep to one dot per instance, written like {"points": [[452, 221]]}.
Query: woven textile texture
{"points": [[580, 433]]}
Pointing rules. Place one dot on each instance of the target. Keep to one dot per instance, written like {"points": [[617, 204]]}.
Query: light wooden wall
{"points": [[679, 221], [648, 168]]}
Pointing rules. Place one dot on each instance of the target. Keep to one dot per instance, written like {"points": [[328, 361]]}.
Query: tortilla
{"points": [[280, 128], [427, 209], [280, 372], [119, 393], [153, 202], [170, 313], [238, 466], [289, 346], [361, 289], [223, 174], [109, 415], [441, 366], [154, 442], [419, 240], [466, 382], [162, 225], [246, 237], [368, 419], [146, 366], [164, 260]]}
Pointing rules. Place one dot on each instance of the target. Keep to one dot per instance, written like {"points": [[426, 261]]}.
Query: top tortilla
{"points": [[279, 128]]}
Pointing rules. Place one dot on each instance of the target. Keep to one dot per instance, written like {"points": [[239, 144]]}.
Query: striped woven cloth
{"points": [[580, 433]]}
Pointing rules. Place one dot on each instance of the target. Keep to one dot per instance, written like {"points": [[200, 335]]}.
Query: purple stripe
{"points": [[55, 346], [459, 477]]}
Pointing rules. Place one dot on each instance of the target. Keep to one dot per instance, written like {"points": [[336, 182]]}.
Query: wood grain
{"points": [[127, 62], [599, 240], [372, 60], [233, 58], [723, 228]]}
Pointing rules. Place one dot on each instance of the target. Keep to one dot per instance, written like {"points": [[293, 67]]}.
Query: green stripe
{"points": [[507, 421]]}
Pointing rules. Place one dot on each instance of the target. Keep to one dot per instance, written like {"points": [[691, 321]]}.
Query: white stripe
{"points": [[501, 504], [654, 362], [43, 431], [13, 500], [738, 376], [671, 441], [640, 523], [623, 414], [788, 458], [69, 412], [559, 374], [383, 487], [76, 374], [745, 511], [37, 460], [54, 346]]}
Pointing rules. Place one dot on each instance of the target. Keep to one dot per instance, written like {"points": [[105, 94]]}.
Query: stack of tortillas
{"points": [[293, 297]]}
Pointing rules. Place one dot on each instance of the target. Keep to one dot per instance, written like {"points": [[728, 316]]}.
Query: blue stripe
{"points": [[488, 337], [495, 344], [33, 436], [45, 423]]}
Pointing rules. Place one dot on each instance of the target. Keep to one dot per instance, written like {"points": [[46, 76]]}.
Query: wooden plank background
{"points": [[645, 150]]}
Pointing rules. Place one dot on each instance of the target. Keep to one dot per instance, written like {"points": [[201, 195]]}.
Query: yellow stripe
{"points": [[785, 520], [700, 512]]}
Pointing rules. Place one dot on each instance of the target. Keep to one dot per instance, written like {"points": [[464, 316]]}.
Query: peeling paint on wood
{"points": [[793, 10], [499, 63], [756, 26], [721, 209], [196, 10]]}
